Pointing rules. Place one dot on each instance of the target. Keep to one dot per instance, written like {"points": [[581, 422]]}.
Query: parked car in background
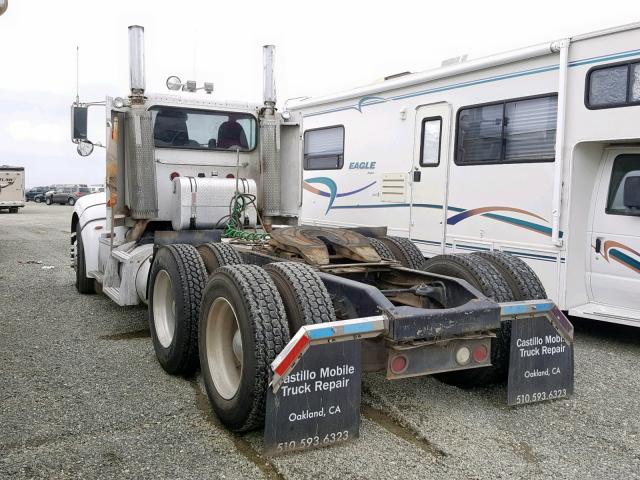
{"points": [[97, 188], [66, 195], [36, 194]]}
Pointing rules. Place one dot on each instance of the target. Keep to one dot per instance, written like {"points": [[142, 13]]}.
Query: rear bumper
{"points": [[384, 325]]}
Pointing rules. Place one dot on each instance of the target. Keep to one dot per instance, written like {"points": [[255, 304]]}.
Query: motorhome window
{"points": [[430, 145], [203, 130], [324, 148], [530, 129], [507, 132], [613, 86], [624, 166]]}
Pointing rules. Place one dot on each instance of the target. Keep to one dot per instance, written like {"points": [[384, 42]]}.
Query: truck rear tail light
{"points": [[399, 364], [463, 355], [173, 175], [480, 353], [230, 175]]}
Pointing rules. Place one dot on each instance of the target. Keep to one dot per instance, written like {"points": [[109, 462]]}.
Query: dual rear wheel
{"points": [[497, 275], [207, 308]]}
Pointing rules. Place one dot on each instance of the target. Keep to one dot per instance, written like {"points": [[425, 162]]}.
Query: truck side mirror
{"points": [[79, 123], [631, 193]]}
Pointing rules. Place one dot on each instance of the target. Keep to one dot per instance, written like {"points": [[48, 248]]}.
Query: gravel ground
{"points": [[82, 396]]}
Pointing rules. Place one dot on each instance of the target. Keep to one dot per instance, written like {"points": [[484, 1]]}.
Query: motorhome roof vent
{"points": [[454, 60], [396, 75]]}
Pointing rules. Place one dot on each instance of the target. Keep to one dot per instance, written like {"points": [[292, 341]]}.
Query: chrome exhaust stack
{"points": [[269, 142], [136, 64], [269, 82]]}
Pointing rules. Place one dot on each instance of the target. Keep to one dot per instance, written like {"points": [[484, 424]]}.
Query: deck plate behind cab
{"points": [[311, 243]]}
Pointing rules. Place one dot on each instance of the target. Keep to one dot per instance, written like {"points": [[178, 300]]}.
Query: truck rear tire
{"points": [[216, 255], [84, 284], [405, 251], [176, 282], [306, 299], [381, 249], [243, 328], [523, 281], [482, 275]]}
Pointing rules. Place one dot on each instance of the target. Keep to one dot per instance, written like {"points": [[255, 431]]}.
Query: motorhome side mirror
{"points": [[79, 123], [85, 148], [631, 193]]}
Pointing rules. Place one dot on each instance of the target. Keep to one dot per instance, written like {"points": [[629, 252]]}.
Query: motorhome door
{"points": [[615, 238], [429, 176]]}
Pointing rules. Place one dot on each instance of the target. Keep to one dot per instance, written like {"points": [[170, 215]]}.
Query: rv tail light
{"points": [[399, 364], [230, 175], [173, 175], [463, 355], [480, 353]]}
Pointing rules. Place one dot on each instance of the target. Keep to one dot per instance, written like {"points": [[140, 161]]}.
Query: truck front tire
{"points": [[84, 284], [482, 275], [243, 328], [176, 281]]}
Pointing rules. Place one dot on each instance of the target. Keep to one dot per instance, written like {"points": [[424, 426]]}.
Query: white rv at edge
{"points": [[11, 188], [535, 152]]}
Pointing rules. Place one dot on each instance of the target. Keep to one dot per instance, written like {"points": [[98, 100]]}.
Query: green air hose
{"points": [[235, 229]]}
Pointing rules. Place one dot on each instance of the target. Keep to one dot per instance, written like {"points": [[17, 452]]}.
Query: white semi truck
{"points": [[11, 188], [200, 222]]}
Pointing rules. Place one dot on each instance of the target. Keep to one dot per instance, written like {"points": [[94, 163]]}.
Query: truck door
{"points": [[615, 237], [429, 176]]}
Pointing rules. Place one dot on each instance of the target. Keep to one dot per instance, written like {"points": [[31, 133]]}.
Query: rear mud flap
{"points": [[541, 357], [318, 403]]}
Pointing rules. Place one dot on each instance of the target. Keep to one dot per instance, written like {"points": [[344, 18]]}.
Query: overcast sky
{"points": [[322, 46]]}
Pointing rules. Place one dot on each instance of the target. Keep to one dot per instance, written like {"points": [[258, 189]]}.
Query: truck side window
{"points": [[512, 131], [324, 148], [613, 86], [624, 166], [430, 142]]}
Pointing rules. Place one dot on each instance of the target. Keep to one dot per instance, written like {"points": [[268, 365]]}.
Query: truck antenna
{"points": [[77, 74]]}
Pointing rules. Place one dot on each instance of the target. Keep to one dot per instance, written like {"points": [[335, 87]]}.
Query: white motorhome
{"points": [[535, 152], [11, 188]]}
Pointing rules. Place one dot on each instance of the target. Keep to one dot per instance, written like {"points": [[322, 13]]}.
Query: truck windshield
{"points": [[203, 130]]}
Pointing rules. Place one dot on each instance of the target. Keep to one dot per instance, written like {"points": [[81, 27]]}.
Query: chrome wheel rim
{"points": [[224, 348], [164, 308]]}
